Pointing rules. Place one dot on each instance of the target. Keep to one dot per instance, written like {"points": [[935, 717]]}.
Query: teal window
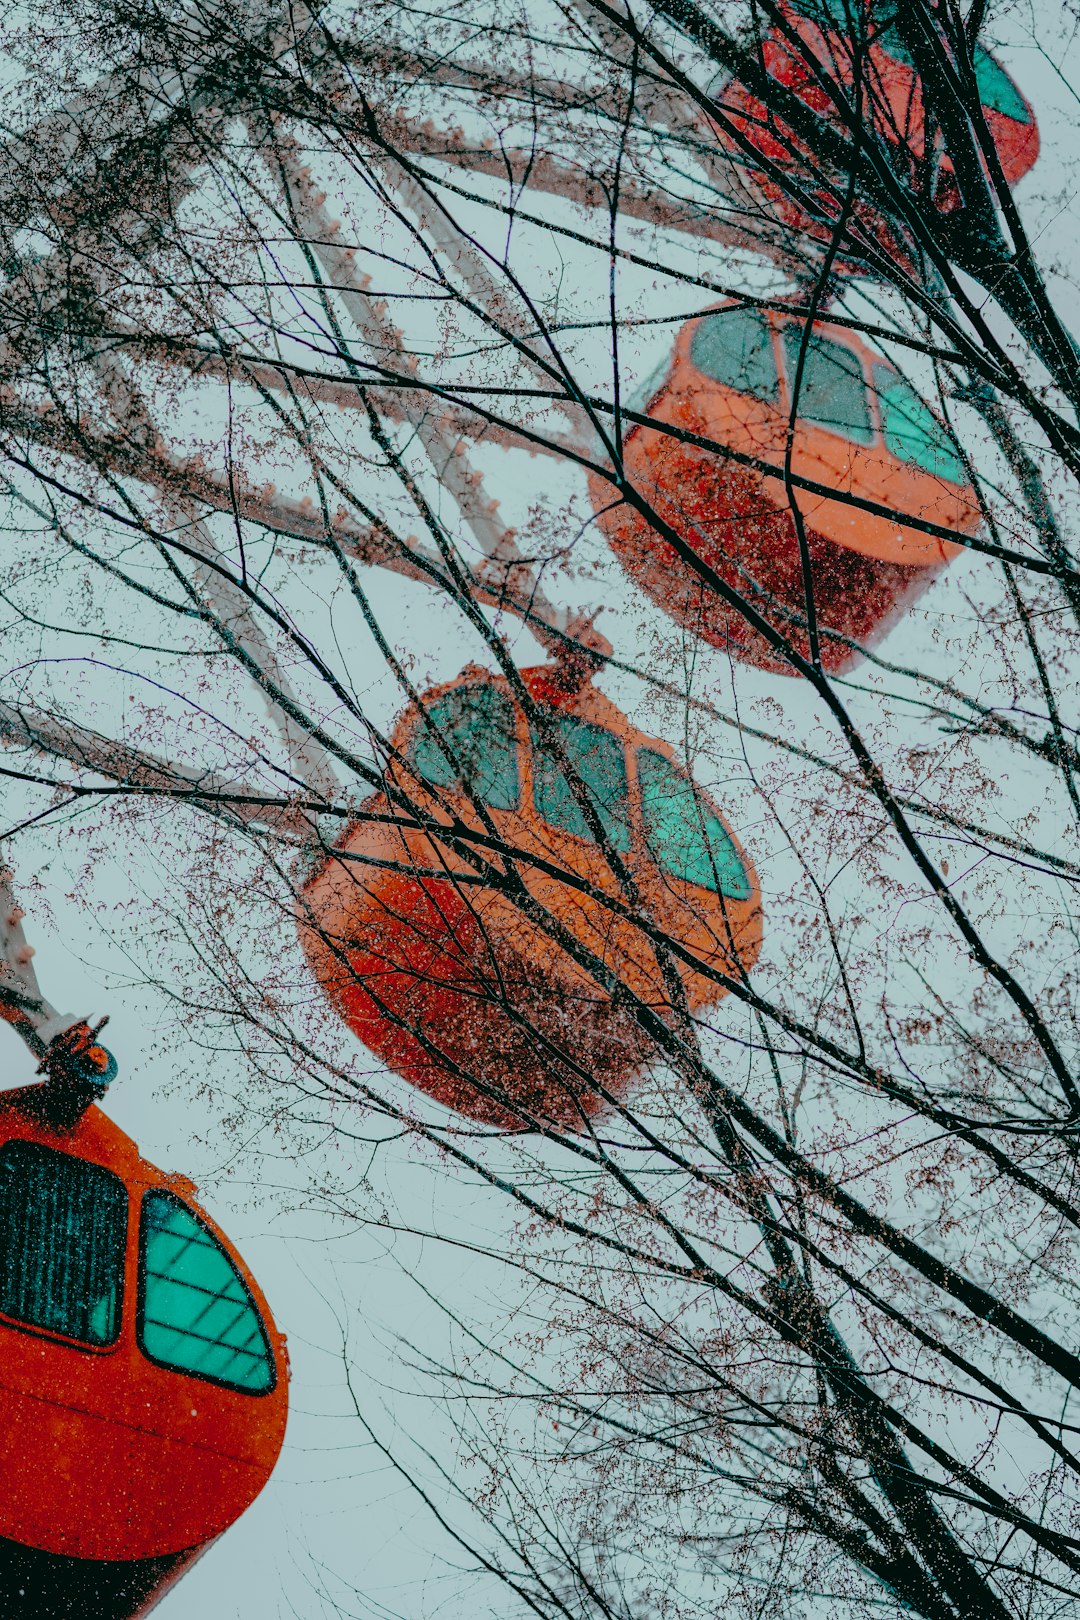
{"points": [[841, 13], [195, 1312], [912, 431], [63, 1232], [596, 755], [734, 346], [832, 393], [892, 43], [477, 725], [687, 839], [996, 89]]}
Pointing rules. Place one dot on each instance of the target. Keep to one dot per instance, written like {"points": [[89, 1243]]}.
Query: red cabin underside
{"points": [[512, 1032], [38, 1585], [724, 514]]}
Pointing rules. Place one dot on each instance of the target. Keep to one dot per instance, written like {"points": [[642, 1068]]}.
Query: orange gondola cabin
{"points": [[861, 430], [143, 1384], [849, 36], [445, 975]]}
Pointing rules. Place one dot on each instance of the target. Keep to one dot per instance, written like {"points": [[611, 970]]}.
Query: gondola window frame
{"points": [[102, 1212], [150, 1276]]}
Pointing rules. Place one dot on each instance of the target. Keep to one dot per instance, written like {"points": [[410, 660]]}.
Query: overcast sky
{"points": [[336, 1519]]}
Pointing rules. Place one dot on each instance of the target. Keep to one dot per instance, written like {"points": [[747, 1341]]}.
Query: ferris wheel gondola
{"points": [[860, 434], [143, 1383], [448, 979], [859, 47]]}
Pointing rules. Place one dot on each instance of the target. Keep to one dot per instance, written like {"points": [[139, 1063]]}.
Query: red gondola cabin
{"points": [[860, 430], [892, 101], [143, 1385], [447, 979]]}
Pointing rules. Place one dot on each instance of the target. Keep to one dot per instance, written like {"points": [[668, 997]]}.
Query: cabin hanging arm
{"points": [[77, 1068]]}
